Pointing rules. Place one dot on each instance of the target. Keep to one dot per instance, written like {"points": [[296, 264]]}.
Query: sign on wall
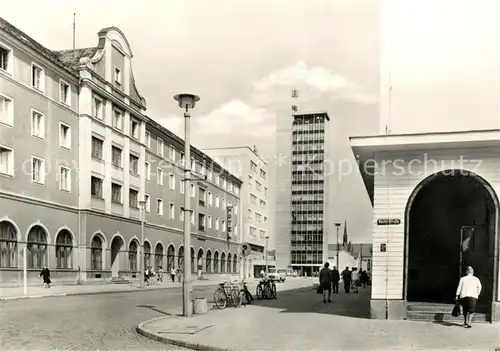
{"points": [[229, 221], [388, 221]]}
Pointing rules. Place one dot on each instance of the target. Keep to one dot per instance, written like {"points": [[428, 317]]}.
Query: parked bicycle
{"points": [[266, 289], [246, 294], [228, 294]]}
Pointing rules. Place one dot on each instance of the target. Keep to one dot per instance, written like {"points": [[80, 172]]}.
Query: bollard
{"points": [[200, 305]]}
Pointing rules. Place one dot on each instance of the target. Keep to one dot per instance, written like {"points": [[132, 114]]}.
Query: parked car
{"points": [[278, 275]]}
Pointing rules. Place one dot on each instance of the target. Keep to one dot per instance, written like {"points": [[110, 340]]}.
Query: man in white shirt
{"points": [[468, 292]]}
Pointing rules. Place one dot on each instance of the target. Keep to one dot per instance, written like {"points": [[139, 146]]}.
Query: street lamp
{"points": [[142, 207], [186, 102], [267, 253], [338, 226]]}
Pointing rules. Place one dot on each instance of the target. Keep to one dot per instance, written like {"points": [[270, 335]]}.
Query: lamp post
{"points": [[267, 241], [338, 226], [142, 207], [186, 102]]}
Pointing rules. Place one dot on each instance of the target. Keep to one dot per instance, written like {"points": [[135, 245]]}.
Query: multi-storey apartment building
{"points": [[77, 157], [246, 163], [301, 241]]}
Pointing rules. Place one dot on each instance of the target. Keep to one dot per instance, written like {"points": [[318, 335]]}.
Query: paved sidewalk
{"points": [[298, 320], [13, 293]]}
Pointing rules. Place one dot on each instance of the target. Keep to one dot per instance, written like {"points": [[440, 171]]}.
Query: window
{"points": [[64, 93], [203, 170], [183, 186], [132, 255], [147, 199], [202, 197], [171, 153], [253, 231], [96, 187], [134, 164], [224, 183], [159, 207], [258, 186], [64, 247], [147, 170], [183, 160], [159, 147], [171, 181], [250, 217], [235, 208], [64, 136], [193, 165], [253, 198], [6, 161], [37, 170], [193, 191], [263, 234], [265, 219], [262, 203], [133, 198], [201, 222], [116, 156], [210, 199], [171, 210], [37, 247], [8, 245], [159, 177], [116, 193], [223, 203], [37, 77], [258, 217], [191, 216], [209, 222], [64, 178], [6, 110], [118, 75], [209, 176], [265, 191], [230, 187], [134, 129], [253, 166], [223, 226], [217, 179], [5, 59], [236, 191], [263, 174], [98, 108], [181, 215], [117, 119], [217, 224], [148, 140], [217, 204], [96, 253], [37, 124]]}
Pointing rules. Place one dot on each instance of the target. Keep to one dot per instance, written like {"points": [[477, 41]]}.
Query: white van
{"points": [[277, 274]]}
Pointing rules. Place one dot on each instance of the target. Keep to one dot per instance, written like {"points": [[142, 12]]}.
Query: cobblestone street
{"points": [[105, 322]]}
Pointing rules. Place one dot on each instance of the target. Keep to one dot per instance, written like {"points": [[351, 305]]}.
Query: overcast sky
{"points": [[244, 57]]}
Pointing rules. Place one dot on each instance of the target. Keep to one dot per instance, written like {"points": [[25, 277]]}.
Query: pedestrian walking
{"points": [[325, 282], [45, 274], [160, 274], [346, 277], [335, 280], [468, 291], [355, 280], [172, 274]]}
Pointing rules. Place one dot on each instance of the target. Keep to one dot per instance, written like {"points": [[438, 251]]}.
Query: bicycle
{"points": [[228, 294], [266, 290]]}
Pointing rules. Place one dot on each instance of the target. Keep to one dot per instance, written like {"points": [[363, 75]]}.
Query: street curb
{"points": [[88, 293], [171, 341]]}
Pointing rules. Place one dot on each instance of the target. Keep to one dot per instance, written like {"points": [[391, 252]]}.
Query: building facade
{"points": [[77, 156], [304, 236], [247, 164]]}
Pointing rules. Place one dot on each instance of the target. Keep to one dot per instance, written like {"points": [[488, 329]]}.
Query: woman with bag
{"points": [[467, 293]]}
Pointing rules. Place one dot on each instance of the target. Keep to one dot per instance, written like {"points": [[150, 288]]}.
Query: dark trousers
{"points": [[172, 276], [347, 286], [335, 286]]}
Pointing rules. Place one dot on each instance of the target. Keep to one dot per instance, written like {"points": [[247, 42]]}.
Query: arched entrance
{"points": [[451, 222], [116, 246], [199, 259]]}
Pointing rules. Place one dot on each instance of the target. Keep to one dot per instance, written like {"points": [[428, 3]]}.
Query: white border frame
{"points": [[69, 179], [7, 97], [61, 82], [42, 124], [43, 82], [12, 162], [162, 207], [169, 213], [61, 124], [42, 171], [10, 69]]}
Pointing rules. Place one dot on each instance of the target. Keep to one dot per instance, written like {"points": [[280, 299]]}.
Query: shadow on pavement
{"points": [[306, 300]]}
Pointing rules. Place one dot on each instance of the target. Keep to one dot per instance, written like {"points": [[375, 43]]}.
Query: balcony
{"points": [[202, 203], [202, 228]]}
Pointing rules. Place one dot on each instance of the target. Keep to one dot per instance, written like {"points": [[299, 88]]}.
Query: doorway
{"points": [[116, 246], [451, 219]]}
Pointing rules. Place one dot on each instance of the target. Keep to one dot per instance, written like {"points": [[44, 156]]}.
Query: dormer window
{"points": [[118, 75]]}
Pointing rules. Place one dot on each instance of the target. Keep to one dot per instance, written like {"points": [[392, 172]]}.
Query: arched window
{"points": [[64, 248], [223, 262], [170, 257], [229, 262], [208, 265], [180, 258], [193, 261], [158, 256], [147, 254], [235, 263], [8, 245], [37, 247], [96, 253], [132, 255], [216, 262]]}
